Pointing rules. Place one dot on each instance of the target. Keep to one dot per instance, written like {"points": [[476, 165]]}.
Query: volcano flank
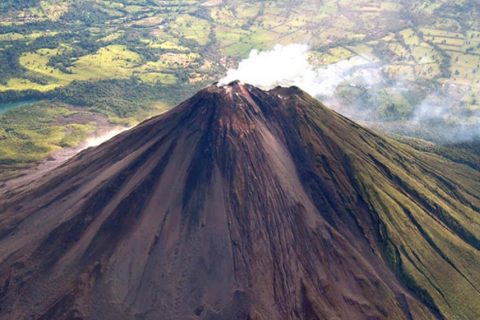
{"points": [[245, 204]]}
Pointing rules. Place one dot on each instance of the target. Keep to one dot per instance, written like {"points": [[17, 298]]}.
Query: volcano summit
{"points": [[245, 204]]}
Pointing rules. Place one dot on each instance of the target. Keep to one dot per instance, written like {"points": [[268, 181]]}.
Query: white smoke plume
{"points": [[431, 117], [290, 66], [284, 65], [102, 137]]}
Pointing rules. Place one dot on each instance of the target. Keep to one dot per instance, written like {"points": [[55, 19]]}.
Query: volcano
{"points": [[245, 204]]}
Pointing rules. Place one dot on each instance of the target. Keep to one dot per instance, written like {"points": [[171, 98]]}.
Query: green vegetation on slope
{"points": [[424, 209]]}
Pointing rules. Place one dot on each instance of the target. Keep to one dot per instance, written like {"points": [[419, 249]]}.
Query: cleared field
{"points": [[28, 135], [15, 36], [191, 28], [158, 77], [21, 84], [109, 62], [113, 61]]}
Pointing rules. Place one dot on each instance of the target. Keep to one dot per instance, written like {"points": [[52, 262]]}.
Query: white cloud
{"points": [[284, 65], [289, 65], [100, 138]]}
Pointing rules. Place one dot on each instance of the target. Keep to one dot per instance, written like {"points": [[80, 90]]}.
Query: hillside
{"points": [[245, 204]]}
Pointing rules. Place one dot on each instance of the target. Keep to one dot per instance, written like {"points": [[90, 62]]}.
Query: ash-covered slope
{"points": [[245, 204]]}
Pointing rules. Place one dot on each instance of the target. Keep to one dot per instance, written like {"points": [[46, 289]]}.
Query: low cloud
{"points": [[358, 88], [103, 136], [290, 65], [284, 65]]}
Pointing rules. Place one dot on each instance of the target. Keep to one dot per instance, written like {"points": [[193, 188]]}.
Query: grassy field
{"points": [[28, 134]]}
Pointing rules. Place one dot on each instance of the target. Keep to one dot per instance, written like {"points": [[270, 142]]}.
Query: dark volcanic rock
{"points": [[244, 204]]}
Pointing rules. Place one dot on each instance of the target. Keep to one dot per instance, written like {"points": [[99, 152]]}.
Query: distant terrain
{"points": [[129, 59]]}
